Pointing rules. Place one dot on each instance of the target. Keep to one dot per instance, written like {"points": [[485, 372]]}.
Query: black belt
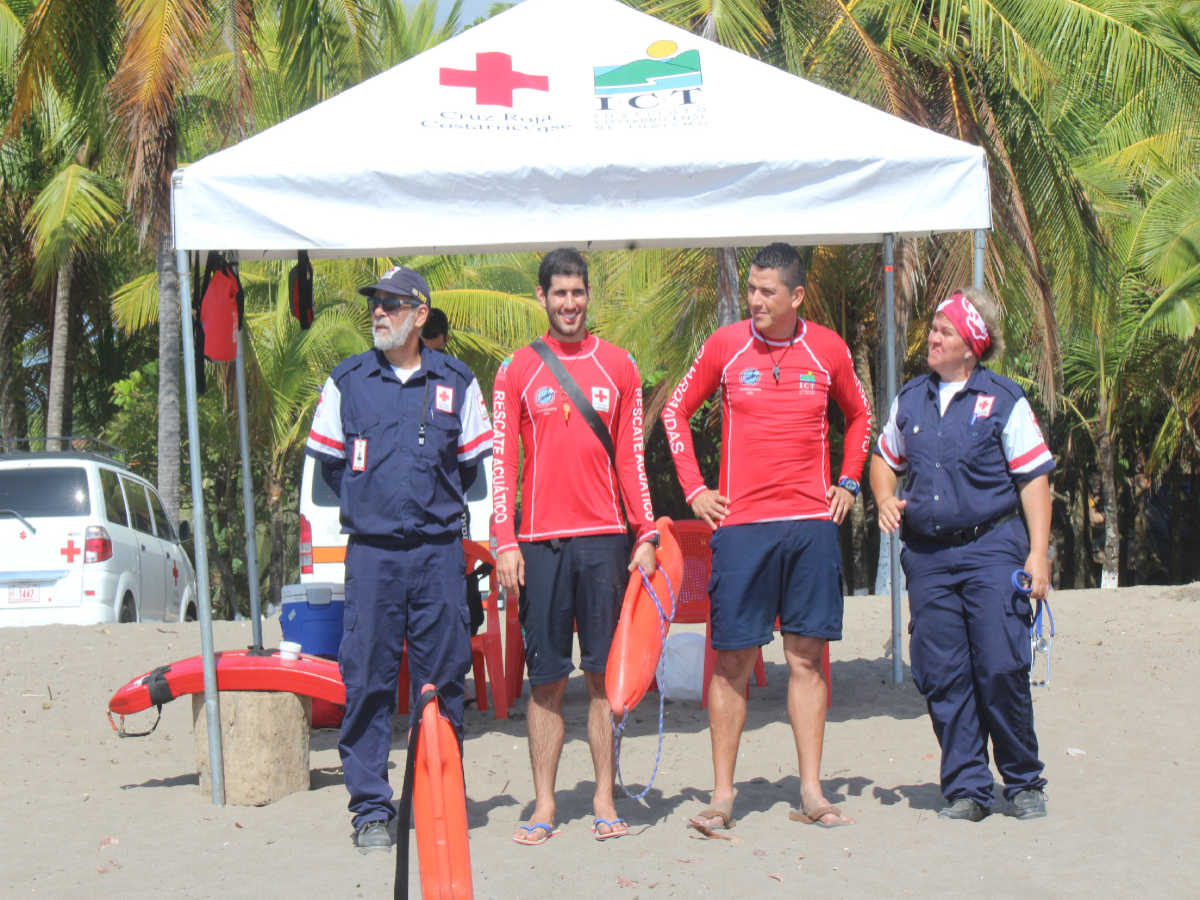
{"points": [[964, 535]]}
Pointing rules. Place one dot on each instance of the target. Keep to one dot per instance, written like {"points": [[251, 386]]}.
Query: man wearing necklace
{"points": [[775, 512]]}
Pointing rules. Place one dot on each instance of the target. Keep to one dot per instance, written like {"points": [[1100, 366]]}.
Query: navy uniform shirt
{"points": [[963, 468], [401, 454]]}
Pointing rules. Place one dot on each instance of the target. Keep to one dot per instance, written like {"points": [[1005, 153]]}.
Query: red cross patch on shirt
{"points": [[445, 398], [983, 406]]}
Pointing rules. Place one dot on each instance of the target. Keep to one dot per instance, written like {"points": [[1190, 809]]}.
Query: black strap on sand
{"points": [[120, 729], [404, 810]]}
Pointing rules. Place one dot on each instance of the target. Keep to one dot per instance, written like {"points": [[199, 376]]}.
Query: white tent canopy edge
{"points": [[502, 140]]}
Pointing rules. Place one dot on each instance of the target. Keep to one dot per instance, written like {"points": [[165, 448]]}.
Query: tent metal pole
{"points": [[980, 250], [889, 302], [212, 704], [248, 494]]}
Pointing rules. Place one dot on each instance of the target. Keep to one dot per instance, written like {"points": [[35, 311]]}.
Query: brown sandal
{"points": [[816, 816], [701, 822]]}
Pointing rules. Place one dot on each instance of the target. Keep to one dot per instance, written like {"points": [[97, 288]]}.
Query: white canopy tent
{"points": [[584, 123]]}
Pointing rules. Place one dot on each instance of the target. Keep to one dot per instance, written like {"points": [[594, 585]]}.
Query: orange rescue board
{"points": [[440, 809], [638, 642], [237, 670]]}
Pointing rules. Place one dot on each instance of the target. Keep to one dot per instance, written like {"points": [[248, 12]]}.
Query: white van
{"points": [[83, 540], [322, 544]]}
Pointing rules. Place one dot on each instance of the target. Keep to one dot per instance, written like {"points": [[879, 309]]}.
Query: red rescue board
{"points": [[237, 670], [638, 642], [440, 809]]}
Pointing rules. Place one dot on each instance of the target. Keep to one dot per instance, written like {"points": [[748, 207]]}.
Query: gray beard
{"points": [[396, 337]]}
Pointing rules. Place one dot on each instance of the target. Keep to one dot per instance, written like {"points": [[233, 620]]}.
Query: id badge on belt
{"points": [[358, 461]]}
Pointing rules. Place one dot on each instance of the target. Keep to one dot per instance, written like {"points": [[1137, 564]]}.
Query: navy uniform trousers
{"points": [[971, 659], [396, 591]]}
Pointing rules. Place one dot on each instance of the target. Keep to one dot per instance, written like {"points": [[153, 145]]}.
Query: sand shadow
{"points": [[479, 811], [326, 776], [191, 778], [919, 796], [862, 689]]}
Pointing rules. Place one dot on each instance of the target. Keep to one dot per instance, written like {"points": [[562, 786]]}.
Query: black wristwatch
{"points": [[653, 541], [849, 484]]}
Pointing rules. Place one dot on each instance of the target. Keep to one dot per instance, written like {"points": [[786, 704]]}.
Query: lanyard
{"points": [[1039, 640], [424, 406]]}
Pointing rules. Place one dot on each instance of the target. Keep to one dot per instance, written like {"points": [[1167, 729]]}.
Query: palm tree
{"points": [[74, 205], [73, 209]]}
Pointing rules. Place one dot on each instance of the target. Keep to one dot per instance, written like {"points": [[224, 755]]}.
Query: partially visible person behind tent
{"points": [[434, 335], [436, 331]]}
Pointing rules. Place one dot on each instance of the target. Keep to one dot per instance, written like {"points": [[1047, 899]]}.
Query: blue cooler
{"points": [[311, 615]]}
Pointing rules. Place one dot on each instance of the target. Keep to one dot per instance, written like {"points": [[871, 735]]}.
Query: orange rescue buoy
{"points": [[440, 809], [638, 641]]}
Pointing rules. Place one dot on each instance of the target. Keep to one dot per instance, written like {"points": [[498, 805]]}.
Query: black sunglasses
{"points": [[392, 302]]}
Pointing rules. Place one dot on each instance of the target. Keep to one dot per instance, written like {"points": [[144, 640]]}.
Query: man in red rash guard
{"points": [[570, 561], [775, 513]]}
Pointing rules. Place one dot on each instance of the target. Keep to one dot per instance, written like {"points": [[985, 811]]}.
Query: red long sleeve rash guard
{"points": [[774, 436], [568, 486]]}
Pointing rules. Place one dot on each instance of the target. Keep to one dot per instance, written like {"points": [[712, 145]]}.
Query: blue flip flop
{"points": [[612, 825], [530, 839]]}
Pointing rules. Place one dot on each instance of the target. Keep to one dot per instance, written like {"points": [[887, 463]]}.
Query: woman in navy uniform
{"points": [[972, 453]]}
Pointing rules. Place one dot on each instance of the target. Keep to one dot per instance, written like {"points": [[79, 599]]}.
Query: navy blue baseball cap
{"points": [[403, 282]]}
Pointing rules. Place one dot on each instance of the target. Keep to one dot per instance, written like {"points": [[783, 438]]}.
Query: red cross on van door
{"points": [[493, 79], [70, 551]]}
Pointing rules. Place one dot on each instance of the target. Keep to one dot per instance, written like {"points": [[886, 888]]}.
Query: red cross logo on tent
{"points": [[493, 79], [70, 551]]}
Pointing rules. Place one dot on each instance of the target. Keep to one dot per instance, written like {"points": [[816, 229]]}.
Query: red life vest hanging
{"points": [[221, 311]]}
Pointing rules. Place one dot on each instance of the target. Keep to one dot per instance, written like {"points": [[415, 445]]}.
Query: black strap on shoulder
{"points": [[575, 392], [404, 809]]}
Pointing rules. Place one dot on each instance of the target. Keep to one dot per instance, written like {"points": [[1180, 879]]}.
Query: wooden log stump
{"points": [[264, 738]]}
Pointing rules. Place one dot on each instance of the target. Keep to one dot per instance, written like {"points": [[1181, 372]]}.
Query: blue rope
{"points": [[664, 623], [1022, 581]]}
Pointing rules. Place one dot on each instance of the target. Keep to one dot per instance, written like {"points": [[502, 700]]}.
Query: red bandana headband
{"points": [[967, 322]]}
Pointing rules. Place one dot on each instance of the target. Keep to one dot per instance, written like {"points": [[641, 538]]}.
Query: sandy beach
{"points": [[87, 813]]}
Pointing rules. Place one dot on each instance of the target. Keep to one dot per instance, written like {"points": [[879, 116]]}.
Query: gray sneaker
{"points": [[964, 808], [373, 836], [1030, 804]]}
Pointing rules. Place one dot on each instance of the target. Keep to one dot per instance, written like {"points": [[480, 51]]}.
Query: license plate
{"points": [[24, 595]]}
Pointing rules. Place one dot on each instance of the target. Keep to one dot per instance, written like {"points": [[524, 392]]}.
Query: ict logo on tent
{"points": [[664, 87]]}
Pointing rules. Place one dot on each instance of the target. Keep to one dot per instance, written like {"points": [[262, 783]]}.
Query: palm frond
{"points": [[74, 206], [135, 303], [160, 37], [739, 24], [12, 32]]}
